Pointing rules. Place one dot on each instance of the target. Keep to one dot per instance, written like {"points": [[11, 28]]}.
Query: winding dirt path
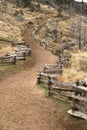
{"points": [[23, 105]]}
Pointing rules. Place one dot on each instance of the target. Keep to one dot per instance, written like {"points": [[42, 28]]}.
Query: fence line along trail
{"points": [[24, 106]]}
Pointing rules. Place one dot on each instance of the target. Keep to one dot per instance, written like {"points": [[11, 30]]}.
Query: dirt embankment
{"points": [[24, 106]]}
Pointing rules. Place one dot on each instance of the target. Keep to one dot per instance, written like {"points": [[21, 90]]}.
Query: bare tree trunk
{"points": [[79, 33], [82, 5], [80, 39]]}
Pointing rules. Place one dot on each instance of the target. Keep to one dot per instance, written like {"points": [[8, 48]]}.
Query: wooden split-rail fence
{"points": [[42, 42], [64, 59], [75, 92], [79, 101], [53, 69], [55, 87], [22, 50], [45, 43]]}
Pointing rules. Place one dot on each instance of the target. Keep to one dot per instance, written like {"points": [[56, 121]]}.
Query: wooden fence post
{"points": [[49, 86], [1, 60], [24, 55], [52, 50], [38, 78], [44, 68], [40, 43], [29, 52], [14, 62], [45, 45]]}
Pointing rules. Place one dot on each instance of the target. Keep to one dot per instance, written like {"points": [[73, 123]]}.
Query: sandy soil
{"points": [[24, 106]]}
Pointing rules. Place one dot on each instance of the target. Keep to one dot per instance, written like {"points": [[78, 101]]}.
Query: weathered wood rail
{"points": [[43, 78], [18, 43], [52, 65], [21, 50], [53, 69], [53, 85], [48, 47], [64, 57], [10, 59], [20, 55]]}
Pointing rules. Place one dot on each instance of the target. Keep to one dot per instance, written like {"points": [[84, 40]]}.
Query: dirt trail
{"points": [[24, 106]]}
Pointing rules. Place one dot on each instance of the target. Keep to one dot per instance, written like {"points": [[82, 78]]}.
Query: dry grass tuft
{"points": [[78, 68], [6, 50]]}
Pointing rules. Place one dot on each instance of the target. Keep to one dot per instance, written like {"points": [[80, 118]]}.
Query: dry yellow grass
{"points": [[73, 75], [10, 28], [78, 68], [6, 50], [64, 39]]}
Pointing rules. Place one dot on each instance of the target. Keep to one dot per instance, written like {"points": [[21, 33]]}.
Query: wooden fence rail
{"points": [[50, 48], [53, 71], [11, 59], [53, 66]]}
